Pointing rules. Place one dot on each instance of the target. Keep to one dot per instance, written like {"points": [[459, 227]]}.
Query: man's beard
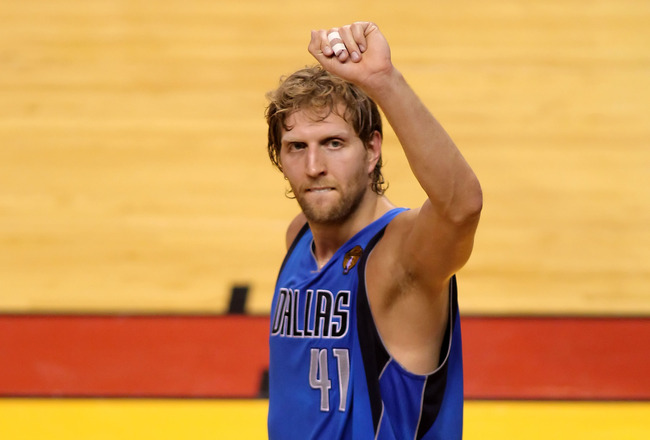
{"points": [[346, 205]]}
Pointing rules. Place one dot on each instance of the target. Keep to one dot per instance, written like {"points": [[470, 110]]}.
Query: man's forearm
{"points": [[438, 165]]}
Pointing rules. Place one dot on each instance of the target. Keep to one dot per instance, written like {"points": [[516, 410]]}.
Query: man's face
{"points": [[326, 164]]}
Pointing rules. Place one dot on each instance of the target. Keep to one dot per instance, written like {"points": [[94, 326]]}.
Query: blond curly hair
{"points": [[315, 88]]}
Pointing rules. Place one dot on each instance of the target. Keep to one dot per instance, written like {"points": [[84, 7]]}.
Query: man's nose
{"points": [[315, 161]]}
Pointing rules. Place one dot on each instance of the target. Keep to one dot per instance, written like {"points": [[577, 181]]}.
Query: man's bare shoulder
{"points": [[294, 228], [389, 252], [398, 229]]}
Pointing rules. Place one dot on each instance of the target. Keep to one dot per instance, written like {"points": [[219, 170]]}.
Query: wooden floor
{"points": [[134, 177]]}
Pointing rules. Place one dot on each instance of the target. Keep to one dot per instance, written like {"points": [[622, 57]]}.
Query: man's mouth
{"points": [[320, 189]]}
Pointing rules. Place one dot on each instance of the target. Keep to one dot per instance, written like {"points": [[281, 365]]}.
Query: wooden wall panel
{"points": [[134, 178]]}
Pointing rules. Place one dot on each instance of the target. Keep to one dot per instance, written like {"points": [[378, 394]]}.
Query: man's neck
{"points": [[328, 238]]}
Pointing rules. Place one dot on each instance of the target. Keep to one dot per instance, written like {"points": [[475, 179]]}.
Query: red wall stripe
{"points": [[557, 358], [226, 356], [132, 356]]}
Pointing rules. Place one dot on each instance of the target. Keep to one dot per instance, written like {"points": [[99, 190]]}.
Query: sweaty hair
{"points": [[313, 88]]}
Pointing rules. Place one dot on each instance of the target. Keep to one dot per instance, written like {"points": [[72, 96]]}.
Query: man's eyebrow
{"points": [[328, 138], [291, 141]]}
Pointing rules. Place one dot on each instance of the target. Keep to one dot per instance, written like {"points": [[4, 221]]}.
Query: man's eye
{"points": [[335, 143], [296, 146]]}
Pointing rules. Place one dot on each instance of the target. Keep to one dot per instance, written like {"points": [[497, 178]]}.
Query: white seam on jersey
{"points": [[451, 335], [390, 359], [417, 426], [381, 417], [313, 255], [450, 324]]}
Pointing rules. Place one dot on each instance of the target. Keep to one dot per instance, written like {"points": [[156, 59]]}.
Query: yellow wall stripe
{"points": [[99, 419]]}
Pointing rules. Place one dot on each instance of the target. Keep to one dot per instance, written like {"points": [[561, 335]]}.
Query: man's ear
{"points": [[373, 149]]}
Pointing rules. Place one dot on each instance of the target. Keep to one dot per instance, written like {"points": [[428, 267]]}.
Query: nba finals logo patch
{"points": [[351, 259]]}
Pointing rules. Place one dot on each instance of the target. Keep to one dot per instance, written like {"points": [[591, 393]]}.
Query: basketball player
{"points": [[365, 334]]}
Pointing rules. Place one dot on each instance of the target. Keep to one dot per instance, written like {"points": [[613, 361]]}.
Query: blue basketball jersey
{"points": [[330, 377]]}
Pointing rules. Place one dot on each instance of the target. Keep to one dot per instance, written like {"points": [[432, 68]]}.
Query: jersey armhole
{"points": [[376, 357], [294, 243]]}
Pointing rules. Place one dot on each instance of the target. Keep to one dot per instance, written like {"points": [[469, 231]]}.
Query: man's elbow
{"points": [[468, 209]]}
